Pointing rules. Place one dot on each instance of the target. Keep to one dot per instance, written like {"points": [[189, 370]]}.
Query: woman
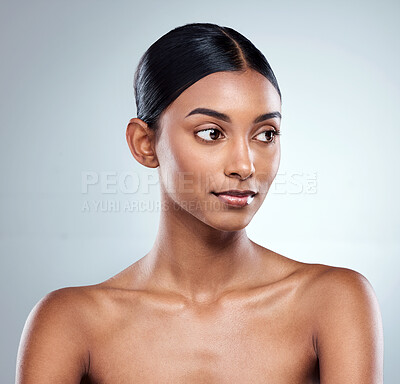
{"points": [[206, 304]]}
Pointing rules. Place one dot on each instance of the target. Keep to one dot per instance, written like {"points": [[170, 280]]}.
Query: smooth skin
{"points": [[207, 304]]}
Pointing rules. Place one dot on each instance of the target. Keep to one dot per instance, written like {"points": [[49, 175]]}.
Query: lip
{"points": [[236, 198], [236, 192]]}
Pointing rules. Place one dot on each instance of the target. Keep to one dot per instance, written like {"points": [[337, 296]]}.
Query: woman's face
{"points": [[215, 137]]}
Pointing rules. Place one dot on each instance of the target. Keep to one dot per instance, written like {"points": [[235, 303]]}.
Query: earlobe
{"points": [[141, 142]]}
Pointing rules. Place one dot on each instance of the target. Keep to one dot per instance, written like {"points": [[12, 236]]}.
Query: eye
{"points": [[268, 136], [210, 134]]}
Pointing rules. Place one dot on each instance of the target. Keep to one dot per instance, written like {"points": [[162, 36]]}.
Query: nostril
{"points": [[234, 174]]}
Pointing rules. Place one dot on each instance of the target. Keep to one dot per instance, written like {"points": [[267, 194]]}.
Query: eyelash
{"points": [[275, 131]]}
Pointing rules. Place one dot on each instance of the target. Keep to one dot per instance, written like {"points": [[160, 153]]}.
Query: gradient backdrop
{"points": [[69, 182]]}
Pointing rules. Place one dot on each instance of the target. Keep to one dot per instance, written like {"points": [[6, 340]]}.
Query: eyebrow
{"points": [[224, 117]]}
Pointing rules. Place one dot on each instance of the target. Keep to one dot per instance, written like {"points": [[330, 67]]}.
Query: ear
{"points": [[141, 141]]}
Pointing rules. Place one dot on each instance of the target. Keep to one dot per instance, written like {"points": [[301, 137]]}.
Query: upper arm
{"points": [[52, 347], [349, 335]]}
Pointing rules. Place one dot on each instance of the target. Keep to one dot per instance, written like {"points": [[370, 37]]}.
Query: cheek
{"points": [[275, 161], [267, 167], [182, 168]]}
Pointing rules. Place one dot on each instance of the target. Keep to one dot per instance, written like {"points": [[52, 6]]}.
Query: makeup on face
{"points": [[235, 198], [218, 150]]}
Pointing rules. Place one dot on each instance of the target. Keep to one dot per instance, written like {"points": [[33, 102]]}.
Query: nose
{"points": [[239, 160]]}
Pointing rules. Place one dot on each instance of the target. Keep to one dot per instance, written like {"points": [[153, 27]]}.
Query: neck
{"points": [[197, 261]]}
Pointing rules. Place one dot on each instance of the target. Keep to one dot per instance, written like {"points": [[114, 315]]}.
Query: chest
{"points": [[237, 344]]}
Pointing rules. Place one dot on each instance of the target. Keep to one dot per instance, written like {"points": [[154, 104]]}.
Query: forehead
{"points": [[230, 92]]}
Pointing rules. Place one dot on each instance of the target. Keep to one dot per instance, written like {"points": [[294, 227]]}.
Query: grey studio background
{"points": [[68, 216]]}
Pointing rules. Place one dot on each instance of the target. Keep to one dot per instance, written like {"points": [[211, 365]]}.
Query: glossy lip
{"points": [[236, 198], [236, 192]]}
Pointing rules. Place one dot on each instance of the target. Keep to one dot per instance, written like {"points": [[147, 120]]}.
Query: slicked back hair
{"points": [[185, 55]]}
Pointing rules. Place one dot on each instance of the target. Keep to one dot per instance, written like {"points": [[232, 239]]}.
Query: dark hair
{"points": [[185, 55]]}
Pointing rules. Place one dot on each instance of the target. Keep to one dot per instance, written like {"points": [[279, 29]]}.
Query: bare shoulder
{"points": [[66, 306], [331, 293], [347, 325], [345, 319], [336, 287], [325, 285], [335, 291], [55, 339]]}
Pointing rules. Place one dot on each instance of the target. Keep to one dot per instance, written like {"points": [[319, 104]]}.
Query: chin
{"points": [[229, 227], [228, 223]]}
